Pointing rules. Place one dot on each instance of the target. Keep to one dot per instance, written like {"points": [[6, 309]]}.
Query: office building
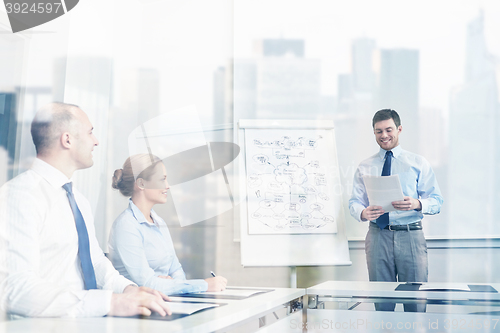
{"points": [[280, 47], [475, 113], [278, 83], [363, 61], [399, 90]]}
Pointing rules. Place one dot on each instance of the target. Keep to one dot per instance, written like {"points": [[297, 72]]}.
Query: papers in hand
{"points": [[189, 308], [445, 286], [383, 190]]}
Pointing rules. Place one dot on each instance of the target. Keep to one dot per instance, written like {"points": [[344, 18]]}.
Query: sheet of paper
{"points": [[234, 292], [189, 308], [383, 190], [445, 286]]}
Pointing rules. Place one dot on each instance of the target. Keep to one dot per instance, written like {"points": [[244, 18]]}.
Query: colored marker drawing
{"points": [[289, 182]]}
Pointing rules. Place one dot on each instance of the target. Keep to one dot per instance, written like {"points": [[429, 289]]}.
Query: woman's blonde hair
{"points": [[136, 166]]}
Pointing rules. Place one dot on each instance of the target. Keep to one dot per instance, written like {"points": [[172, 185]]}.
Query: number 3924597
{"points": [[26, 8]]}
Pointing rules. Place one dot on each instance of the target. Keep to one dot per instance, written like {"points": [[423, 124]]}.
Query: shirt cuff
{"points": [[119, 286], [97, 302], [425, 206], [358, 209], [203, 285], [197, 285]]}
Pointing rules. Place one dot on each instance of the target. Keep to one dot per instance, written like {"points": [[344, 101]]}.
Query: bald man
{"points": [[50, 261]]}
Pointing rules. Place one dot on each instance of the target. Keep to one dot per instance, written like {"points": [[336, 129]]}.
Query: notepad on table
{"points": [[229, 293], [189, 307], [235, 292], [444, 287]]}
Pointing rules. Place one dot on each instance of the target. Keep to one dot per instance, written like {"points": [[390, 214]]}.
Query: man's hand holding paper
{"points": [[383, 192], [371, 213], [408, 203]]}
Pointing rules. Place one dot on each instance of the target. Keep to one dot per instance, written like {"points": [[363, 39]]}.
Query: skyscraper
{"points": [[479, 61], [280, 47], [245, 87], [278, 83], [474, 139], [219, 96], [288, 87], [399, 90], [363, 51], [356, 90]]}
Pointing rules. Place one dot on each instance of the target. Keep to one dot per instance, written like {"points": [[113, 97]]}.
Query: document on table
{"points": [[189, 307], [235, 292], [229, 293], [445, 286], [383, 190]]}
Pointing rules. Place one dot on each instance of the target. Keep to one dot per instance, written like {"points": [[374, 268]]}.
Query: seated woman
{"points": [[140, 246]]}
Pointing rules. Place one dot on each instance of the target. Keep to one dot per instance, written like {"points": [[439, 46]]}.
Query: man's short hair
{"points": [[49, 123], [385, 114]]}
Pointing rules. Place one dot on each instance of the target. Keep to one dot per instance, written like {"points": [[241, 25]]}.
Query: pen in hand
{"points": [[216, 283]]}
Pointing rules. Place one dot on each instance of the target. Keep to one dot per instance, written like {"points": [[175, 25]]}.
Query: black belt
{"points": [[407, 227]]}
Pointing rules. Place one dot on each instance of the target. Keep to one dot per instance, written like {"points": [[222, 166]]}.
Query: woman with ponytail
{"points": [[140, 245]]}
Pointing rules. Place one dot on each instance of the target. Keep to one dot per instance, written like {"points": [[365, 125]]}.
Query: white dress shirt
{"points": [[40, 272], [417, 181]]}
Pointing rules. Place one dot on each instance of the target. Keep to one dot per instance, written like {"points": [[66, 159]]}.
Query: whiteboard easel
{"points": [[299, 249]]}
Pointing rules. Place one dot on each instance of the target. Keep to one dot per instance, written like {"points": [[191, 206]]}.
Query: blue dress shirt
{"points": [[142, 251], [417, 181]]}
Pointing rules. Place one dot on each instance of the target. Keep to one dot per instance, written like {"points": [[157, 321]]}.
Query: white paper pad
{"points": [[189, 308], [445, 286], [234, 292], [383, 190]]}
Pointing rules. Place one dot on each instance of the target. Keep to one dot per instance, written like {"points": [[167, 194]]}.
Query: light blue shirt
{"points": [[417, 181], [142, 251]]}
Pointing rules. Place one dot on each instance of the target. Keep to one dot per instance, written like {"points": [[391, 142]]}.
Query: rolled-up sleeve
{"points": [[428, 190]]}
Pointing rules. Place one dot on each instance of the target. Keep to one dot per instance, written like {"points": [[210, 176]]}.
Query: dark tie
{"points": [[383, 221], [83, 241]]}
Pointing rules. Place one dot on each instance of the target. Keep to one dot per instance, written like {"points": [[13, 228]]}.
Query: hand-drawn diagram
{"points": [[289, 182]]}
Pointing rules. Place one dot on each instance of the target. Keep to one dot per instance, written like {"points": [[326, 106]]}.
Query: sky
{"points": [[436, 28], [187, 40]]}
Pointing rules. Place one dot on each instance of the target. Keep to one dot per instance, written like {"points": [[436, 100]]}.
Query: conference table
{"points": [[345, 293], [324, 321], [321, 316], [284, 310], [228, 317], [347, 317]]}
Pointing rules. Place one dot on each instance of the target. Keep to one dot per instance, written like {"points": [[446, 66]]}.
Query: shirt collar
{"points": [[139, 216], [52, 175], [396, 151]]}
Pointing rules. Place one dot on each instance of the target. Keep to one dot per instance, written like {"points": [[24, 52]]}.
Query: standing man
{"points": [[50, 261], [395, 244]]}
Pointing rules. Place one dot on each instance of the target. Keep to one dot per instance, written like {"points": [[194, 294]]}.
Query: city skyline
{"points": [[229, 31], [390, 78], [164, 55], [328, 30]]}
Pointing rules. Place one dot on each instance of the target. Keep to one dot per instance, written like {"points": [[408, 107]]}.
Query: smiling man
{"points": [[395, 245], [50, 261]]}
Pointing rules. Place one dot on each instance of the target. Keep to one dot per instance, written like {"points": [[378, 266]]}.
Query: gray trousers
{"points": [[396, 256]]}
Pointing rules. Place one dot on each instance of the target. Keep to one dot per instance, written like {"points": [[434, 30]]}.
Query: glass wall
{"points": [[129, 62]]}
